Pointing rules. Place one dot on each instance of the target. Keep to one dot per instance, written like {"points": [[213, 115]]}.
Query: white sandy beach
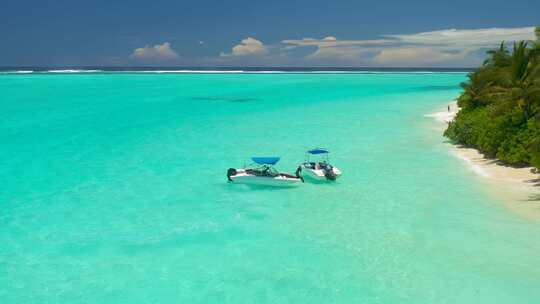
{"points": [[515, 186]]}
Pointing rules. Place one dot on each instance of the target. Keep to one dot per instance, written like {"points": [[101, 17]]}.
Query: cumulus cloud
{"points": [[248, 47], [158, 52], [450, 46]]}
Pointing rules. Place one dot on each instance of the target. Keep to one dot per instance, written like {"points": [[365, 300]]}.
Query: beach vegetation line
{"points": [[500, 105]]}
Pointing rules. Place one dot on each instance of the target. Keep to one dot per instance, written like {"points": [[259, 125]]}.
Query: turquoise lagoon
{"points": [[113, 190]]}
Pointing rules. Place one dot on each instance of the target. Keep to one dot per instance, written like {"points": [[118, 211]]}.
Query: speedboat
{"points": [[263, 173], [321, 169]]}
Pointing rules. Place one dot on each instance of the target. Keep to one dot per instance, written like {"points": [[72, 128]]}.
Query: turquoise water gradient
{"points": [[113, 190]]}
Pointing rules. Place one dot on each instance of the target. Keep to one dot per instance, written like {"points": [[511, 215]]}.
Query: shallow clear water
{"points": [[113, 190]]}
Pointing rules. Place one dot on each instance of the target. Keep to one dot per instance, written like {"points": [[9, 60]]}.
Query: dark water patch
{"points": [[437, 88], [224, 98], [242, 99]]}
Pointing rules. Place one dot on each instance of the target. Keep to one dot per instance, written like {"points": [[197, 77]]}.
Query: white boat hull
{"points": [[276, 181], [318, 174]]}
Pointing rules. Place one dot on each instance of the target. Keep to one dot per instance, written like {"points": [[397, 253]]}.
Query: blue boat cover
{"points": [[265, 160], [318, 151]]}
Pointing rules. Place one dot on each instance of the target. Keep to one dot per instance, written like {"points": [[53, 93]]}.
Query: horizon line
{"points": [[225, 67]]}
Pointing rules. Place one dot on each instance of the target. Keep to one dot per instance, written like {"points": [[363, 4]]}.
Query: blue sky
{"points": [[265, 33]]}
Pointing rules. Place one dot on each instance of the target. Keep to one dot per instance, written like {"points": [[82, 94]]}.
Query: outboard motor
{"points": [[231, 172], [329, 174], [298, 170]]}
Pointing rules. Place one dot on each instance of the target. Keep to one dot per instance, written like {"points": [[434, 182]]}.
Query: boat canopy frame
{"points": [[324, 153]]}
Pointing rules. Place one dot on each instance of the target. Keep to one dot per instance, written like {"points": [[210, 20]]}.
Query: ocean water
{"points": [[113, 190]]}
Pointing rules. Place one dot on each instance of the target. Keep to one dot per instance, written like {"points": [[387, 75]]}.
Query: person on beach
{"points": [[448, 108]]}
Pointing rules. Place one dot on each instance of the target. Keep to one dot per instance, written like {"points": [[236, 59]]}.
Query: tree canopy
{"points": [[500, 105]]}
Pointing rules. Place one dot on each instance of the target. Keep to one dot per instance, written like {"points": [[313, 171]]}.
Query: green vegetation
{"points": [[500, 105]]}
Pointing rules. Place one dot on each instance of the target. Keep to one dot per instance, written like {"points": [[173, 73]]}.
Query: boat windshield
{"points": [[318, 165], [264, 170], [270, 170]]}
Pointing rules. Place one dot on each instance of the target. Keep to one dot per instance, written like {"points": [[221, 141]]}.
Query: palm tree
{"points": [[535, 51], [507, 80], [520, 80], [498, 57], [501, 104]]}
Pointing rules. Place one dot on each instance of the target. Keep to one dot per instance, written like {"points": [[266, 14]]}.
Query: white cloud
{"points": [[248, 47], [471, 38], [344, 53], [415, 56], [334, 42], [158, 52], [450, 46], [331, 48]]}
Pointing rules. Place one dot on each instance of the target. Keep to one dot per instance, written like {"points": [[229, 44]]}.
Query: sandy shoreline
{"points": [[517, 187]]}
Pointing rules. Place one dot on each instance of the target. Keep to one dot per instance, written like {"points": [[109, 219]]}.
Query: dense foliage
{"points": [[500, 105]]}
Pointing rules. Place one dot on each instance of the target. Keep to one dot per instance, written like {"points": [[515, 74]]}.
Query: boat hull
{"points": [[241, 177], [318, 174]]}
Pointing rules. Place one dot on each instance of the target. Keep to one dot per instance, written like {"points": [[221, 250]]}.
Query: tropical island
{"points": [[500, 106]]}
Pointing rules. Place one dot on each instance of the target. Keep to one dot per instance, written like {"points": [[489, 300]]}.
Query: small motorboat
{"points": [[321, 169], [263, 173]]}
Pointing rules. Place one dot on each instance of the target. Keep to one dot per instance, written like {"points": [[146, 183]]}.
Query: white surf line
{"points": [[474, 167], [446, 117]]}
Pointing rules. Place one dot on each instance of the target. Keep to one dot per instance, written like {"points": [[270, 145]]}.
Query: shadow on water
{"points": [[436, 88], [247, 187], [321, 183], [223, 98], [269, 188]]}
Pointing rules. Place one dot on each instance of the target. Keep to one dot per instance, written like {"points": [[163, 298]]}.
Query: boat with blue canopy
{"points": [[317, 165], [262, 172]]}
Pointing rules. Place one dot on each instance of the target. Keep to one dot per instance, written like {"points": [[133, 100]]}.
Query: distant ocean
{"points": [[113, 189], [23, 70]]}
